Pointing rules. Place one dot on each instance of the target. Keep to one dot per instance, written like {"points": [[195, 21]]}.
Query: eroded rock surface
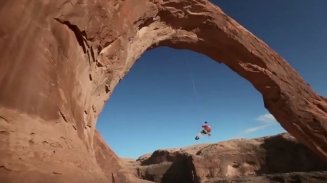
{"points": [[279, 158], [60, 61]]}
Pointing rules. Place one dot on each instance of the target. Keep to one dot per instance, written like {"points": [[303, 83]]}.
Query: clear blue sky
{"points": [[155, 107]]}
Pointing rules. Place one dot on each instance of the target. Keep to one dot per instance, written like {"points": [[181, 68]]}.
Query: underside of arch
{"points": [[61, 61]]}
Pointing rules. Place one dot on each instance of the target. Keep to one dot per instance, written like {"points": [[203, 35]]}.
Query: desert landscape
{"points": [[61, 60]]}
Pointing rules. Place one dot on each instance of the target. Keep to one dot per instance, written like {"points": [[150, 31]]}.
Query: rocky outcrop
{"points": [[268, 159], [109, 162], [61, 60], [295, 177]]}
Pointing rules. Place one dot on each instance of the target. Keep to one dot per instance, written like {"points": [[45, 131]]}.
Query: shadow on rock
{"points": [[285, 154], [167, 167]]}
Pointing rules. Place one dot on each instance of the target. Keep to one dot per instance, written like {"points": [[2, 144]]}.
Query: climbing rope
{"points": [[194, 88]]}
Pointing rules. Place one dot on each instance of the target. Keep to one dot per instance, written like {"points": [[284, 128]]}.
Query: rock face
{"points": [[60, 61], [276, 158]]}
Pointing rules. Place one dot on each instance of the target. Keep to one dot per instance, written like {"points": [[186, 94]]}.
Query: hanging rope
{"points": [[194, 88]]}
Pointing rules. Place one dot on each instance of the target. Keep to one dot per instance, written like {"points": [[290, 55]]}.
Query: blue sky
{"points": [[155, 107]]}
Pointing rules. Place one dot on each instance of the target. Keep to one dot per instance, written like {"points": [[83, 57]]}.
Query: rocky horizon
{"points": [[275, 158]]}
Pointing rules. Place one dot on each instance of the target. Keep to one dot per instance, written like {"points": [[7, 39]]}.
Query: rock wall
{"points": [[109, 162], [247, 160], [61, 60]]}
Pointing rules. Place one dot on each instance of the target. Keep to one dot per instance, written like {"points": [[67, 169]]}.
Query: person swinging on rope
{"points": [[206, 129]]}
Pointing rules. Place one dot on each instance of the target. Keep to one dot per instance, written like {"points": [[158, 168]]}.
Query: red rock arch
{"points": [[59, 63]]}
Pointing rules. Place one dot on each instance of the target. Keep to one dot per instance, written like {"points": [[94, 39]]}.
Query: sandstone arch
{"points": [[60, 62]]}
